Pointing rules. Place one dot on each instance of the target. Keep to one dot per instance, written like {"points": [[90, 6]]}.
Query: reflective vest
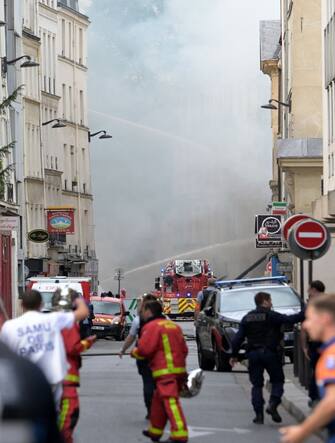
{"points": [[162, 343]]}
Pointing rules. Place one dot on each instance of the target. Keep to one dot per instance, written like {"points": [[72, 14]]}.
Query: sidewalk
{"points": [[295, 399]]}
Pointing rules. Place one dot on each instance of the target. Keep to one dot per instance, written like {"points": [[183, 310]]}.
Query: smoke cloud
{"points": [[178, 85]]}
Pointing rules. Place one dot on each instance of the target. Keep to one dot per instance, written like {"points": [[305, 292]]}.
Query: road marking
{"points": [[198, 431], [310, 235]]}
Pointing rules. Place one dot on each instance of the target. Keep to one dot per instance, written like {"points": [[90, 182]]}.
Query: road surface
{"points": [[112, 407]]}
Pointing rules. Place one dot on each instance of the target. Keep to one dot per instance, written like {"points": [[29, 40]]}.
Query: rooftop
{"points": [[299, 148], [270, 33], [72, 4]]}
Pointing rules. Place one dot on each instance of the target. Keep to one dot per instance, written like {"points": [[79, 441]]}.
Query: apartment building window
{"points": [[65, 184], [64, 100], [84, 188], [49, 63], [70, 104], [44, 62], [53, 64], [81, 100], [70, 40], [63, 37], [51, 162], [81, 47], [56, 163], [10, 192]]}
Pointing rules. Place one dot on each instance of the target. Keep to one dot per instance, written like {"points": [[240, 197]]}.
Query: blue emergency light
{"points": [[279, 279]]}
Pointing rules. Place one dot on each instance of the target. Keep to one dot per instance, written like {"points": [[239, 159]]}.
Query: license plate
{"points": [[98, 328]]}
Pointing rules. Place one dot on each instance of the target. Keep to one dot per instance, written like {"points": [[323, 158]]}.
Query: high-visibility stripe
{"points": [[72, 377], [179, 434], [161, 372], [170, 368], [181, 431], [155, 431], [63, 413], [167, 351]]}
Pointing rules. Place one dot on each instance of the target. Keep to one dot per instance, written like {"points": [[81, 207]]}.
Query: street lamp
{"points": [[273, 107], [29, 63], [60, 123], [102, 137]]}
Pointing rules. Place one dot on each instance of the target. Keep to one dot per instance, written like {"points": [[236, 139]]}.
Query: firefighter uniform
{"points": [[69, 414], [162, 343], [325, 375]]}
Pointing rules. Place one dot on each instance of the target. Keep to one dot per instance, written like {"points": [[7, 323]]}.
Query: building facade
{"points": [[52, 182], [296, 83]]}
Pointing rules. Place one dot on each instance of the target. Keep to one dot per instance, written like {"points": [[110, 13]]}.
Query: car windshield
{"points": [[103, 307], [243, 300], [47, 301]]}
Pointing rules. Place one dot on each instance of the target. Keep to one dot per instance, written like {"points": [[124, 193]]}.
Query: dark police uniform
{"points": [[262, 328]]}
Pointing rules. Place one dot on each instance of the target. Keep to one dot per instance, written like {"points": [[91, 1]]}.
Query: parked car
{"points": [[109, 317], [224, 308]]}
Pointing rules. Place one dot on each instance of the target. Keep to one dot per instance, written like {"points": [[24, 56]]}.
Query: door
{"points": [[205, 322], [6, 271]]}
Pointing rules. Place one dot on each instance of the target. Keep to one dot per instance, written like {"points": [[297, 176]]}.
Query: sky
{"points": [[178, 85]]}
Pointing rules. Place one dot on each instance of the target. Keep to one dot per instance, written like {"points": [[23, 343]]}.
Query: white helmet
{"points": [[193, 384], [62, 299]]}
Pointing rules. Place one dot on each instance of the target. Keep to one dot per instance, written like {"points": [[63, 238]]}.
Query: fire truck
{"points": [[179, 285]]}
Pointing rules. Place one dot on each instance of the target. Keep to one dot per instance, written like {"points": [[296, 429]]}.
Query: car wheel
{"points": [[204, 363], [221, 360]]}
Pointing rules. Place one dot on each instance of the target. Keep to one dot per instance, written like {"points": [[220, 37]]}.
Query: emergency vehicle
{"points": [[109, 317], [48, 285], [179, 285]]}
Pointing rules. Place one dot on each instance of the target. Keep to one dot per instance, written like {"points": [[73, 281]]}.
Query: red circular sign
{"points": [[292, 221], [310, 235]]}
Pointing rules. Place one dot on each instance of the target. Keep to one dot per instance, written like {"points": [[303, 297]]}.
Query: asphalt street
{"points": [[112, 407]]}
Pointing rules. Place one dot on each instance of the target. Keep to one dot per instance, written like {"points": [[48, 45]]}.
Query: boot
{"points": [[148, 435], [272, 410], [259, 419]]}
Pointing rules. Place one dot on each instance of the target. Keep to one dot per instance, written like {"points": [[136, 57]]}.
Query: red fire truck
{"points": [[179, 284]]}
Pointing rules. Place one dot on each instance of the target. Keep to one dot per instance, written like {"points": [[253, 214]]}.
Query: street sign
{"points": [[309, 239], [38, 236], [310, 235], [279, 208], [292, 221], [268, 231]]}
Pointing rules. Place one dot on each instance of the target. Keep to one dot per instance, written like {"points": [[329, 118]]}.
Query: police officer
{"points": [[262, 329]]}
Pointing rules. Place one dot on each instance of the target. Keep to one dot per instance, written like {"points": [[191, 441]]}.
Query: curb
{"points": [[296, 405]]}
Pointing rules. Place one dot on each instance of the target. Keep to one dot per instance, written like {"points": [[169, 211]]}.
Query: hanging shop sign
{"points": [[61, 221], [38, 236]]}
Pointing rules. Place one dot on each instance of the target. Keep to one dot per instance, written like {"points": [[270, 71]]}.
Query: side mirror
{"points": [[209, 311], [126, 313], [117, 313]]}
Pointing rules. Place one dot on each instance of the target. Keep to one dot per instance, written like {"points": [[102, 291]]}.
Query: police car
{"points": [[224, 307]]}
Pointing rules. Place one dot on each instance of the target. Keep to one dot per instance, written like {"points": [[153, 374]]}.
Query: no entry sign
{"points": [[291, 222], [309, 239], [310, 235]]}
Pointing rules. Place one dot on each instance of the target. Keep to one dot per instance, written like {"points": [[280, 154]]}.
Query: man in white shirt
{"points": [[37, 336]]}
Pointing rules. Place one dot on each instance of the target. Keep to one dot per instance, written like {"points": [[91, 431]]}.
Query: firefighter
{"points": [[74, 346], [162, 343]]}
